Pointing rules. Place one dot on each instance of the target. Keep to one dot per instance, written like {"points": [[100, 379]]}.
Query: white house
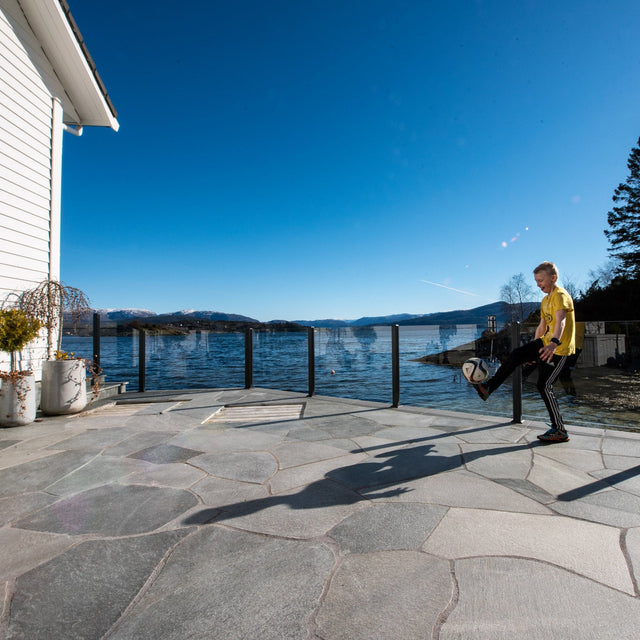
{"points": [[48, 85]]}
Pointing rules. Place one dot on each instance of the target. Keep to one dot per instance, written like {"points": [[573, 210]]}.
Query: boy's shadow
{"points": [[374, 477]]}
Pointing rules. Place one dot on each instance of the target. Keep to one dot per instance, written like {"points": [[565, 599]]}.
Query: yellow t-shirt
{"points": [[552, 302]]}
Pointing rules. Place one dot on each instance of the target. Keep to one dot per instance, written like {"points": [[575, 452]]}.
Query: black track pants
{"points": [[548, 373]]}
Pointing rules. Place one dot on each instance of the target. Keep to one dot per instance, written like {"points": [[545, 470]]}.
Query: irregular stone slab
{"points": [[346, 444], [95, 440], [528, 489], [249, 466], [387, 596], [305, 474], [555, 477], [411, 434], [493, 461], [619, 463], [307, 513], [307, 434], [513, 602], [460, 489], [293, 454], [400, 465], [586, 461], [387, 527], [496, 433], [596, 513], [218, 492], [228, 441], [14, 457], [625, 446], [228, 584], [20, 506], [632, 541], [23, 550], [36, 475], [592, 550], [179, 476], [65, 599], [165, 454], [112, 510], [396, 418], [139, 442], [95, 473], [343, 426], [614, 499]]}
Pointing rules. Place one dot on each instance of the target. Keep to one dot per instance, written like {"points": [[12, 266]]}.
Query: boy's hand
{"points": [[546, 353]]}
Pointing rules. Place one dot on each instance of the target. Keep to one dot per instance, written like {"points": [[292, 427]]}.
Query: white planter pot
{"points": [[18, 401], [64, 388]]}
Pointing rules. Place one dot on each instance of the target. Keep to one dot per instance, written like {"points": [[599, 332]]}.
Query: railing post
{"points": [[248, 358], [142, 360], [516, 378], [311, 359], [395, 363], [96, 343]]}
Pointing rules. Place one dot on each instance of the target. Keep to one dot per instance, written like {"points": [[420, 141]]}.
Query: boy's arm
{"points": [[541, 329], [546, 353]]}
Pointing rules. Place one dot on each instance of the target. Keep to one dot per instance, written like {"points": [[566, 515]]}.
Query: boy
{"points": [[554, 342]]}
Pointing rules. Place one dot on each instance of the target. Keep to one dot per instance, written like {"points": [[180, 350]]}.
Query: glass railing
{"points": [[356, 362]]}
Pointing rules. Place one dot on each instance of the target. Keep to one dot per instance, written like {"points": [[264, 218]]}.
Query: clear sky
{"points": [[307, 159]]}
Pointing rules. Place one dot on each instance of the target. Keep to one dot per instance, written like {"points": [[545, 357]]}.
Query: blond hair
{"points": [[547, 267]]}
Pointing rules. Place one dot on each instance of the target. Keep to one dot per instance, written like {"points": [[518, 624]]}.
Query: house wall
{"points": [[30, 158]]}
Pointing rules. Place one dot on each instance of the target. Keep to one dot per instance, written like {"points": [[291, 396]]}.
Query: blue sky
{"points": [[312, 159]]}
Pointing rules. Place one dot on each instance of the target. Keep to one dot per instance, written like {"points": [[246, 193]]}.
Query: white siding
{"points": [[26, 116]]}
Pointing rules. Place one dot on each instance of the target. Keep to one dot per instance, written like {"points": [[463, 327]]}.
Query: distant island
{"points": [[124, 321]]}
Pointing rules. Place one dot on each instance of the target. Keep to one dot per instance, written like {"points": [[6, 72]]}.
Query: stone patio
{"points": [[260, 514]]}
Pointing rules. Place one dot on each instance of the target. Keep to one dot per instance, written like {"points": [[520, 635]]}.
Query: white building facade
{"points": [[48, 85]]}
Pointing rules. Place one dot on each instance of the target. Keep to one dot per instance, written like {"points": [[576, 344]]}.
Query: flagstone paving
{"points": [[314, 519]]}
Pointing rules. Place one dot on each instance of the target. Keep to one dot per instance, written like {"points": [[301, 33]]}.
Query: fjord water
{"points": [[352, 362]]}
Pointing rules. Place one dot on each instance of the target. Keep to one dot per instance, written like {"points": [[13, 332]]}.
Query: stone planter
{"points": [[17, 400], [64, 387]]}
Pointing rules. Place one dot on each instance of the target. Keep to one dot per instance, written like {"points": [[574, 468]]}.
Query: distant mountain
{"points": [[166, 318], [478, 315], [123, 314], [327, 324]]}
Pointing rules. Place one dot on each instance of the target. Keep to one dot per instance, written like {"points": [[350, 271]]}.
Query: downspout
{"points": [[57, 130], [76, 131]]}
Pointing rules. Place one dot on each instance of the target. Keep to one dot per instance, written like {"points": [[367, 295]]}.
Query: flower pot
{"points": [[17, 399], [64, 388]]}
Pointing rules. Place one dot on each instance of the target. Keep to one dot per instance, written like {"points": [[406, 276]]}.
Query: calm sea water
{"points": [[350, 363]]}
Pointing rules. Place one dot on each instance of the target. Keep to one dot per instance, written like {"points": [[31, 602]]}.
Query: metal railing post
{"points": [[96, 343], [142, 360], [311, 359], [248, 358], [516, 378], [395, 363]]}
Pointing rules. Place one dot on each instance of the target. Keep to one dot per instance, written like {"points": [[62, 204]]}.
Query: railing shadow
{"points": [[599, 485]]}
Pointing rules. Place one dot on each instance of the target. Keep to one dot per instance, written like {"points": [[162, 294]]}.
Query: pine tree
{"points": [[624, 220]]}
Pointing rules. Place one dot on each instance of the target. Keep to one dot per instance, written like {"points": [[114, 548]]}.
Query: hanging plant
{"points": [[48, 302]]}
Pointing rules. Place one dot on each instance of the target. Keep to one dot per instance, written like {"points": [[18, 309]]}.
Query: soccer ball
{"points": [[475, 370]]}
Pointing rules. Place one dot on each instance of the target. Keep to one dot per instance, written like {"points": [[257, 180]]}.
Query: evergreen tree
{"points": [[624, 220]]}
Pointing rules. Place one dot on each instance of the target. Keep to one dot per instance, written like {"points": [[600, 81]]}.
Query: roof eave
{"points": [[62, 42]]}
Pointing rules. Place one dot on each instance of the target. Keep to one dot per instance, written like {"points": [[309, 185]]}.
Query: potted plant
{"points": [[17, 387], [63, 375]]}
